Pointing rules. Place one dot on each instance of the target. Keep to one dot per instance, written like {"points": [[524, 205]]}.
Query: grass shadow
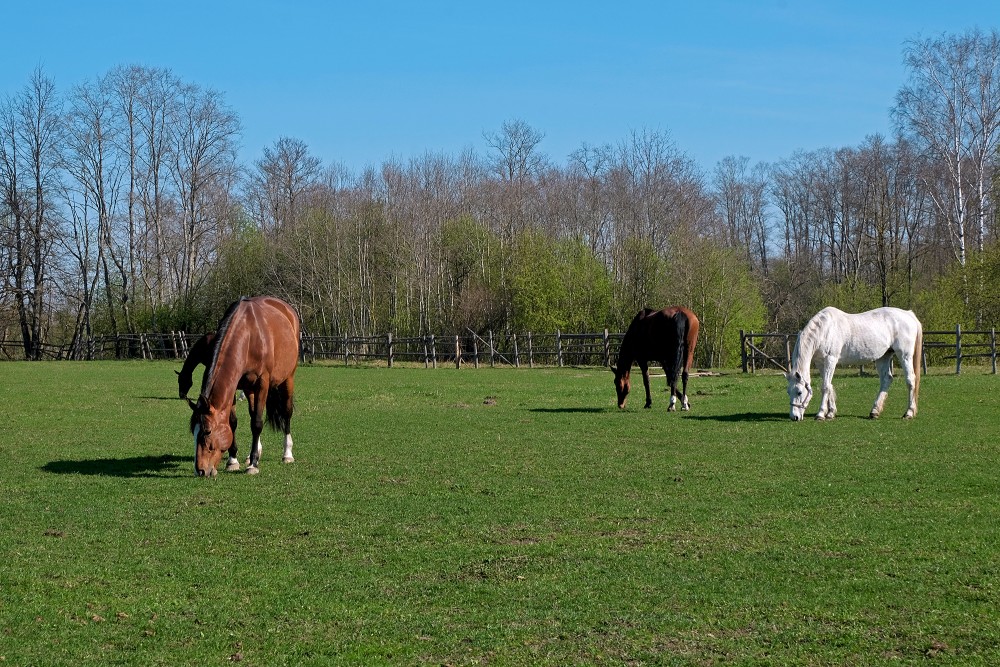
{"points": [[164, 465]]}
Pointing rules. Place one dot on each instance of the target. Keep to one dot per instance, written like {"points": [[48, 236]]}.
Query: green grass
{"points": [[499, 517]]}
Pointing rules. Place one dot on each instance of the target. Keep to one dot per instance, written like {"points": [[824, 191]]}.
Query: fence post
{"points": [[531, 355], [517, 360], [993, 348], [958, 349], [388, 349], [559, 348], [743, 350], [607, 348], [458, 353], [475, 350], [493, 350], [345, 349], [434, 356]]}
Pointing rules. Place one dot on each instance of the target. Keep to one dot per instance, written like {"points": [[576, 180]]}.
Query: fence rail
{"points": [[760, 350], [489, 348]]}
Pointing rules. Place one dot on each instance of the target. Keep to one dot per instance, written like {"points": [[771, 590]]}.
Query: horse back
{"points": [[274, 338]]}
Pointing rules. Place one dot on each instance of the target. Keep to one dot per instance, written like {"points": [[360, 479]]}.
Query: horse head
{"points": [[799, 395], [183, 383], [622, 385], [213, 436]]}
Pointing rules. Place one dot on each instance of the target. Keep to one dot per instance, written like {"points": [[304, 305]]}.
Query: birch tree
{"points": [[951, 106]]}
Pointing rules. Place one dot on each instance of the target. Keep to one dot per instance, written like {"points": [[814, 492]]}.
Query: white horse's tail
{"points": [[918, 358]]}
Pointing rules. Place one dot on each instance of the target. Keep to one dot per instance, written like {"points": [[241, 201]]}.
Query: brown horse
{"points": [[256, 351], [668, 336]]}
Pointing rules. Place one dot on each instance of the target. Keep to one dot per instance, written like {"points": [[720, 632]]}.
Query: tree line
{"points": [[124, 208]]}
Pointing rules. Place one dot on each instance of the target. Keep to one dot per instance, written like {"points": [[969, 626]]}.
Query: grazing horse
{"points": [[833, 336], [668, 336], [256, 351], [200, 353]]}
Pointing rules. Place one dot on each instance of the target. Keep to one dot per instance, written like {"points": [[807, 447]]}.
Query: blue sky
{"points": [[362, 82]]}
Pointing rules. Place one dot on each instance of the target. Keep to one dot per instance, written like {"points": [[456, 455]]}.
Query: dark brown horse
{"points": [[200, 353], [668, 336], [257, 352]]}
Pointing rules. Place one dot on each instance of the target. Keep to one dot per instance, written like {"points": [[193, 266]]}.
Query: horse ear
{"points": [[798, 377], [194, 406], [178, 373]]}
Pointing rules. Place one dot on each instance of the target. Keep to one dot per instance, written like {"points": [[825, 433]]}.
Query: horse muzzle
{"points": [[210, 472]]}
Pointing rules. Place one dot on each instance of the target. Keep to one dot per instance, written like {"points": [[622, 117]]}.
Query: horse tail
{"points": [[278, 408], [691, 340], [680, 322]]}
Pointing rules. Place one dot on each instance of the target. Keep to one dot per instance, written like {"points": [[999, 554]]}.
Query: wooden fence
{"points": [[762, 350], [488, 349]]}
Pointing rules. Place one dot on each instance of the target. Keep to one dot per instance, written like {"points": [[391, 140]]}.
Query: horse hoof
{"points": [[288, 459], [820, 418], [233, 467], [648, 406], [671, 409], [253, 470], [873, 415]]}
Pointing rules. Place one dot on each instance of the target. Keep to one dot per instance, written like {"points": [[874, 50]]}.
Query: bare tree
{"points": [[741, 200], [951, 106], [31, 128], [97, 167], [280, 180], [203, 168]]}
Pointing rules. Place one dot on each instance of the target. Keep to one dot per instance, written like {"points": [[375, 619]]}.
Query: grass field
{"points": [[499, 517]]}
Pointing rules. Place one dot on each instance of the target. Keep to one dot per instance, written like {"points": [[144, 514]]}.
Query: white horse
{"points": [[833, 336]]}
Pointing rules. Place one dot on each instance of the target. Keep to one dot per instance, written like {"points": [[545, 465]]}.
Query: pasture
{"points": [[499, 517]]}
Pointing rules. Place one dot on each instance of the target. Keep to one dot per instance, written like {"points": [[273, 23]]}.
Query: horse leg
{"points": [[251, 406], [885, 379], [672, 387], [256, 426], [828, 400], [233, 464], [684, 390], [907, 361], [645, 382], [286, 391]]}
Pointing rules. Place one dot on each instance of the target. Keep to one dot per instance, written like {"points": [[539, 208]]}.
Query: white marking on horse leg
{"points": [[253, 458], [673, 403], [253, 470], [684, 403], [287, 457]]}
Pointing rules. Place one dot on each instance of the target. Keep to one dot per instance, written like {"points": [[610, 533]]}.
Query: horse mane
{"points": [[808, 339], [220, 336]]}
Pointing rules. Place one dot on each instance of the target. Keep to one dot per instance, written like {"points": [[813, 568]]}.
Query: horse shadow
{"points": [[565, 410], [164, 465], [743, 417]]}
